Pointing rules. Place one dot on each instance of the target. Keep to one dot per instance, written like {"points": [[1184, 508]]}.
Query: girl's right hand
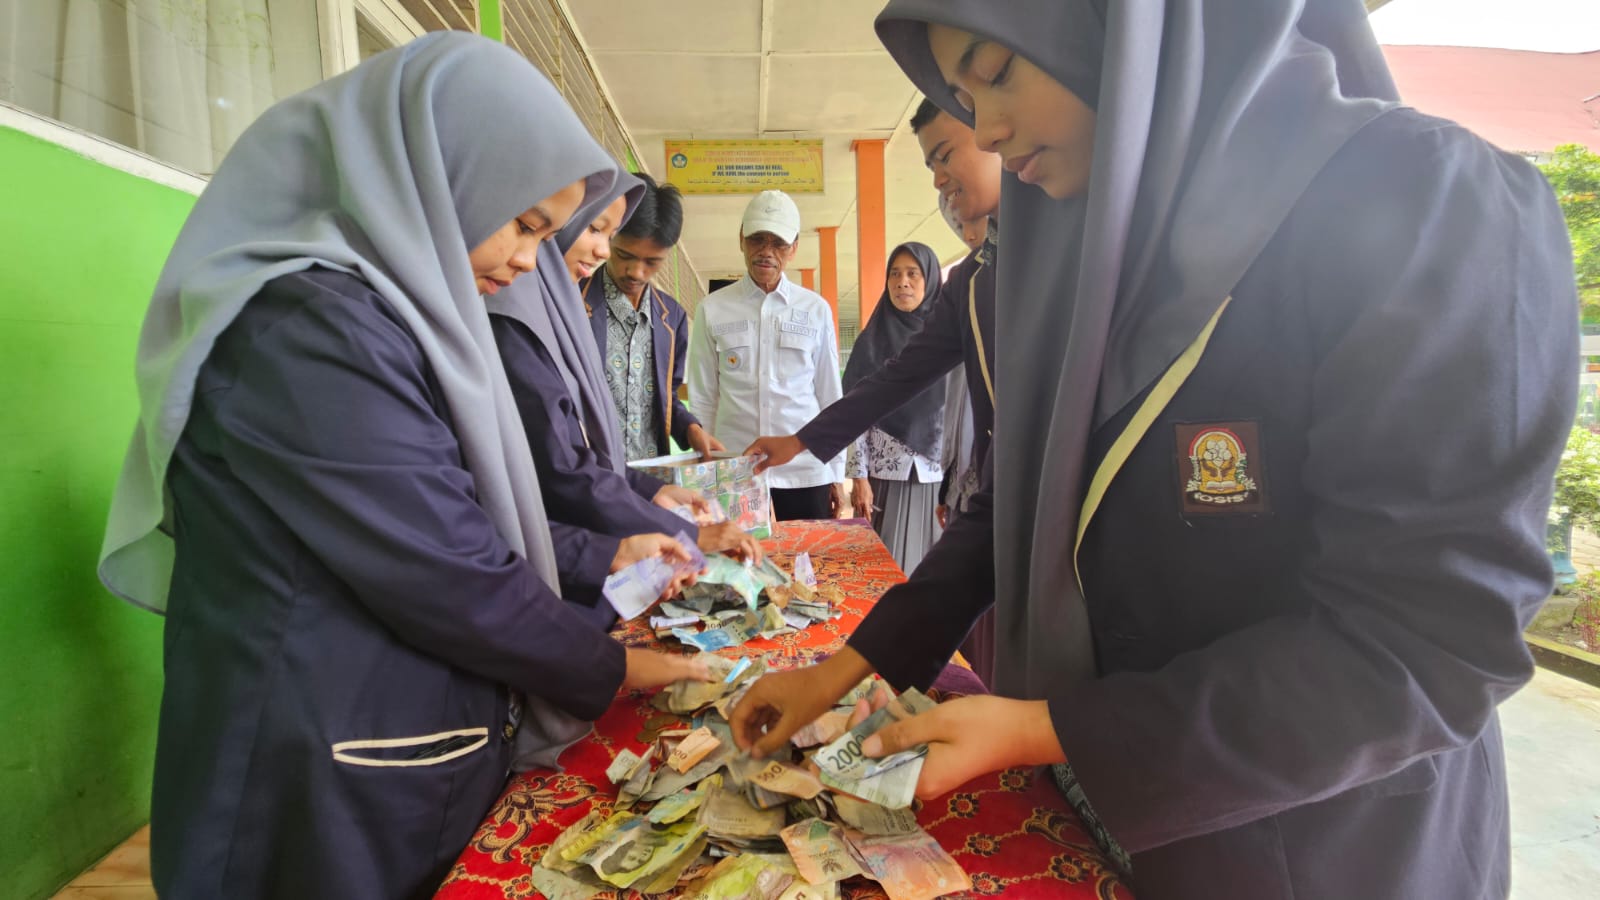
{"points": [[652, 669], [729, 538], [776, 450], [644, 546]]}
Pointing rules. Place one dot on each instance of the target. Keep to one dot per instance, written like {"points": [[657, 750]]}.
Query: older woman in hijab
{"points": [[1287, 372], [898, 464], [560, 389], [330, 495]]}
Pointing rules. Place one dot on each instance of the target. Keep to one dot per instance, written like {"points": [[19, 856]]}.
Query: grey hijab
{"points": [[392, 172], [1212, 119], [549, 304]]}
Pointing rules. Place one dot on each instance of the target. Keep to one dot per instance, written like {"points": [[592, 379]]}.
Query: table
{"points": [[1011, 831]]}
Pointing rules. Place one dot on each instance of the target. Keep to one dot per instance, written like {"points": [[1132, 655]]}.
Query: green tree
{"points": [[1577, 495], [1574, 172]]}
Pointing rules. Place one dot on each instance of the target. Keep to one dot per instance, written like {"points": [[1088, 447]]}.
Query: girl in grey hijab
{"points": [[554, 367], [329, 491], [1286, 371], [549, 306]]}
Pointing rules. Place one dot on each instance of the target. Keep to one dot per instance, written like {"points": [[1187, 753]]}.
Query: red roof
{"points": [[1519, 100]]}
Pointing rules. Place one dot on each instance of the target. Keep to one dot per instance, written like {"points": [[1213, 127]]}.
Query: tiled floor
{"points": [[1551, 728], [123, 875]]}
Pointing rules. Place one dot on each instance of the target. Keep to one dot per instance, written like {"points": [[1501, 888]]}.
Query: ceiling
{"points": [[772, 69], [768, 69]]}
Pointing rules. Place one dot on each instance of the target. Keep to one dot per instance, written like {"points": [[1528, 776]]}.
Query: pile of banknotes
{"points": [[733, 603], [696, 818]]}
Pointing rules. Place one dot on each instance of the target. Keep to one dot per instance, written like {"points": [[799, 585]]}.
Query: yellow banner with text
{"points": [[745, 167]]}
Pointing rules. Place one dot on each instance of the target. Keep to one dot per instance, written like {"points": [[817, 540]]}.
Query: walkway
{"points": [[1552, 734]]}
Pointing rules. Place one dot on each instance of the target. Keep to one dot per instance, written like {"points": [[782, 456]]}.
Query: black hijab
{"points": [[1212, 118], [919, 422]]}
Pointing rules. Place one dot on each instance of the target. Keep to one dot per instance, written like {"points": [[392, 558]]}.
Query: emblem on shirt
{"points": [[800, 316], [1219, 465], [733, 359]]}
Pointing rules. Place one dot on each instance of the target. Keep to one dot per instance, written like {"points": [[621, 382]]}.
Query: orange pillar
{"points": [[828, 250], [870, 226], [808, 279]]}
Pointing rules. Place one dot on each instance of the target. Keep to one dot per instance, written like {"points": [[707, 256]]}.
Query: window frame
{"points": [[391, 18], [102, 150], [339, 49], [341, 45]]}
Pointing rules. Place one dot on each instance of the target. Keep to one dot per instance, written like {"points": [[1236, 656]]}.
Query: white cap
{"points": [[773, 212]]}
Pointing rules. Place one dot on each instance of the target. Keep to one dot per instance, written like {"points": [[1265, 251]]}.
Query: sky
{"points": [[1549, 26]]}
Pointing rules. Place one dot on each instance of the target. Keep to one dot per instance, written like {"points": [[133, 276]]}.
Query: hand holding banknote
{"points": [[781, 704], [640, 547], [776, 450], [729, 539], [652, 669], [971, 736], [672, 496]]}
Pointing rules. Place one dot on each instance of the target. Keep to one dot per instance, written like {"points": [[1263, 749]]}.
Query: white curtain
{"points": [[177, 79]]}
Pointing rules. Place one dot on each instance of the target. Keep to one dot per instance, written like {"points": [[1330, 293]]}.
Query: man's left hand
{"points": [[701, 442], [840, 501], [672, 496]]}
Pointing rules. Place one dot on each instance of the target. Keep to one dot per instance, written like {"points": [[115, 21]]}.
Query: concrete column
{"points": [[870, 223], [828, 251]]}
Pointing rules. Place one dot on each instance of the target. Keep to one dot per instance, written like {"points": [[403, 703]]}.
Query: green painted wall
{"points": [[80, 672], [489, 24]]}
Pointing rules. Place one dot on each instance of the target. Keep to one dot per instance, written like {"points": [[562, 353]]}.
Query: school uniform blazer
{"points": [[945, 341], [580, 488], [345, 623], [669, 340], [1308, 578]]}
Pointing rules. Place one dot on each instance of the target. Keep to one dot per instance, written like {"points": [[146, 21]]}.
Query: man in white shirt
{"points": [[763, 359]]}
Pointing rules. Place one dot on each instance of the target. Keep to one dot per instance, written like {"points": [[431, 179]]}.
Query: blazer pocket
{"points": [[408, 752]]}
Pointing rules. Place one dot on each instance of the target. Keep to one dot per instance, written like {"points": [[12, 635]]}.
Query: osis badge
{"points": [[1220, 468]]}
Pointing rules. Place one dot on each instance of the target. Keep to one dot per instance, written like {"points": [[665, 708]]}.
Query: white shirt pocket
{"points": [[795, 344], [733, 352]]}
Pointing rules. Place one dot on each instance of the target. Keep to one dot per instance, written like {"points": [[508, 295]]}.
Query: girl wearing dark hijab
{"points": [[1286, 371], [330, 495], [897, 466], [560, 388]]}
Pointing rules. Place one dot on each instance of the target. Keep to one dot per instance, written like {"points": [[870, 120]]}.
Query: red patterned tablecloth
{"points": [[1011, 831]]}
